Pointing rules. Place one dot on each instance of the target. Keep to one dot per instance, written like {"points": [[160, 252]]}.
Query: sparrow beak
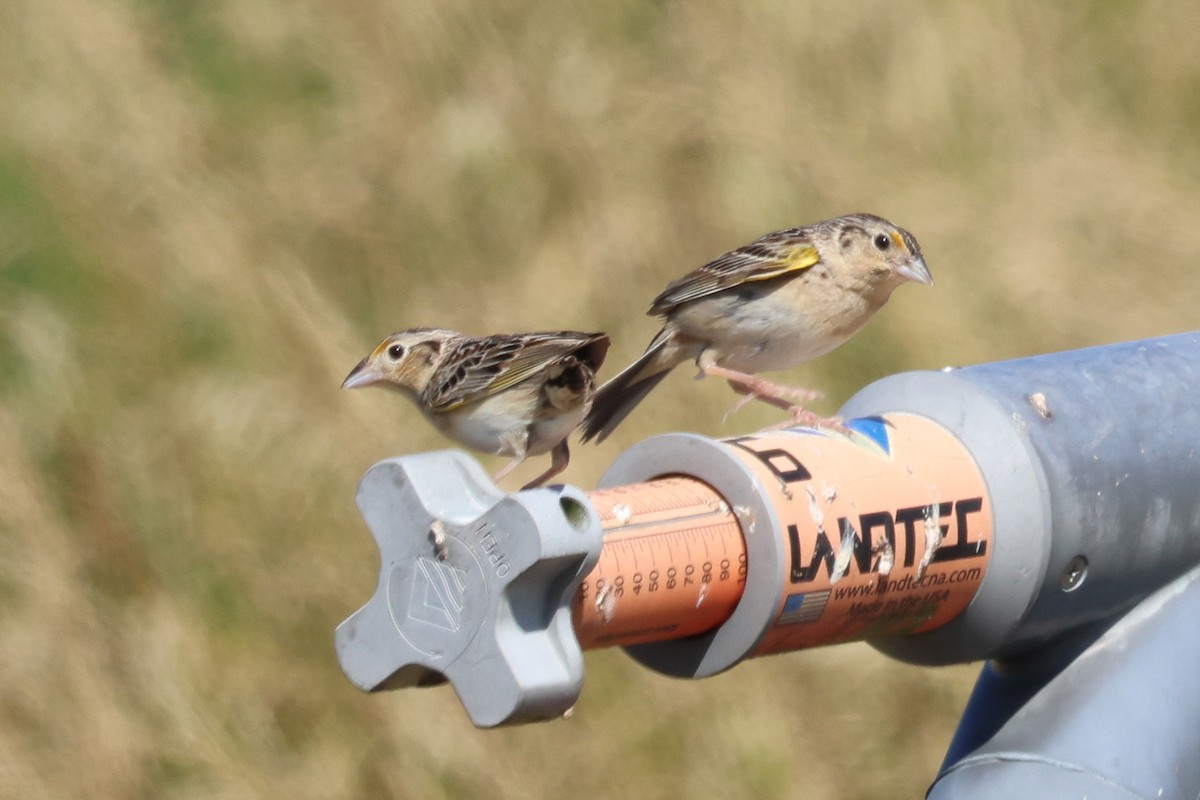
{"points": [[363, 374], [915, 270]]}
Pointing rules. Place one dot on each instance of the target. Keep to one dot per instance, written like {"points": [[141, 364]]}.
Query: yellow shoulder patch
{"points": [[794, 260]]}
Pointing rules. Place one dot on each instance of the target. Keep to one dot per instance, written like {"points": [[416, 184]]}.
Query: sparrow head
{"points": [[405, 360], [882, 255]]}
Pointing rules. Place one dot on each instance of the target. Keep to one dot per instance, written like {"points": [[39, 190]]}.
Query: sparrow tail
{"points": [[620, 395]]}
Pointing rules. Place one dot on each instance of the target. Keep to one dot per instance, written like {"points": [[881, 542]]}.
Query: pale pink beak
{"points": [[915, 270], [363, 374]]}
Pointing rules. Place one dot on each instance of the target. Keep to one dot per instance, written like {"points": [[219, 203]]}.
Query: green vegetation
{"points": [[209, 211]]}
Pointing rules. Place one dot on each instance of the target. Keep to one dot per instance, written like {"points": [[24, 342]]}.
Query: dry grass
{"points": [[209, 210]]}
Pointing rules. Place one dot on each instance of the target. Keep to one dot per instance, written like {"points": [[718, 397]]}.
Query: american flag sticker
{"points": [[804, 607]]}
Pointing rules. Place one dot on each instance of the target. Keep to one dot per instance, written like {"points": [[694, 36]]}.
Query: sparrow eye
{"points": [[396, 352], [882, 242]]}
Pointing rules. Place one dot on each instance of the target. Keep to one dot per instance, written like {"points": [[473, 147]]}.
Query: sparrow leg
{"points": [[784, 397], [507, 468], [560, 456], [516, 444]]}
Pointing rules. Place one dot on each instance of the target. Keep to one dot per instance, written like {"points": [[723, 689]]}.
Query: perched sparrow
{"points": [[785, 298], [516, 395]]}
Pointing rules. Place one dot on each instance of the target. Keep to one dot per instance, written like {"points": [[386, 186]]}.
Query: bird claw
{"points": [[803, 418], [741, 403], [800, 395]]}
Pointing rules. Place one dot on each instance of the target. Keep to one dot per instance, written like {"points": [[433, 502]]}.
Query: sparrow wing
{"points": [[488, 365], [769, 256]]}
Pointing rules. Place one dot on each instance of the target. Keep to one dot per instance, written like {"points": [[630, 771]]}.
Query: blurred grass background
{"points": [[209, 211]]}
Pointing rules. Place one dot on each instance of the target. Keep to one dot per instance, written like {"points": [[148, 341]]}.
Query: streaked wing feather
{"points": [[767, 257], [485, 366]]}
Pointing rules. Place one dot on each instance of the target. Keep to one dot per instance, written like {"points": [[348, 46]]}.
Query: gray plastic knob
{"points": [[475, 586]]}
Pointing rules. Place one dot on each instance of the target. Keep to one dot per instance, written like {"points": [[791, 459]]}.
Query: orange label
{"points": [[673, 564], [887, 531]]}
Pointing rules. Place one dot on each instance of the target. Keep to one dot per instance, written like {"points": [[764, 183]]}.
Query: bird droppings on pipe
{"points": [[437, 537], [746, 518], [933, 539], [1038, 401], [887, 556], [606, 603]]}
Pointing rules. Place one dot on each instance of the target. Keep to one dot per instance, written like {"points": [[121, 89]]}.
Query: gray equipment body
{"points": [[1092, 458], [1117, 718]]}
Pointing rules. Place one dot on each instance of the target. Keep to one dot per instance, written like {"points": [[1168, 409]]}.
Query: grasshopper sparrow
{"points": [[781, 300], [516, 395]]}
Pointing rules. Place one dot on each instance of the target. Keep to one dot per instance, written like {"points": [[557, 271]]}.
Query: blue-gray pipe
{"points": [[1091, 460], [1119, 720]]}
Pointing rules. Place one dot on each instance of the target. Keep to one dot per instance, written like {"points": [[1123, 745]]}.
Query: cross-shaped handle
{"points": [[475, 587]]}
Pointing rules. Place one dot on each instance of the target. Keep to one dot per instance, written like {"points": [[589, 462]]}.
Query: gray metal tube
{"points": [[1092, 460], [1118, 723]]}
